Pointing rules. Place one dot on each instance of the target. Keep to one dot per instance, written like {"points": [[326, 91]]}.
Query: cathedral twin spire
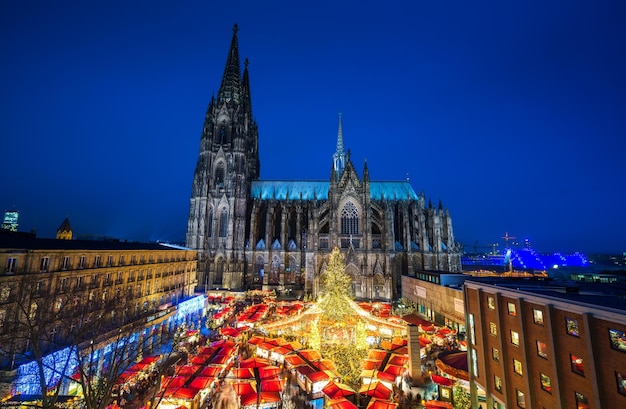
{"points": [[230, 89]]}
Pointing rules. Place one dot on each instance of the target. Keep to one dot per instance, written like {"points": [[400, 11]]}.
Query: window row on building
{"points": [[543, 350]]}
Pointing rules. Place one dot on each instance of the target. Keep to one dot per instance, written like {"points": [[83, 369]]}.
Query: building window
{"points": [[581, 400], [45, 264], [495, 354], [491, 303], [517, 367], [621, 382], [349, 219], [514, 338], [577, 364], [81, 263], [209, 224], [109, 261], [11, 265], [66, 263], [219, 175], [512, 309], [497, 383], [121, 260], [521, 400], [542, 349], [472, 329], [493, 330], [617, 339], [538, 316], [223, 223], [546, 385], [571, 326], [97, 262]]}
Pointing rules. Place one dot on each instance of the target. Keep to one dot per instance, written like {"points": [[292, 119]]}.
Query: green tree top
{"points": [[336, 288]]}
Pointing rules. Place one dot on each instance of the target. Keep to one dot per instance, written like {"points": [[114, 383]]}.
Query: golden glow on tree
{"points": [[336, 289]]}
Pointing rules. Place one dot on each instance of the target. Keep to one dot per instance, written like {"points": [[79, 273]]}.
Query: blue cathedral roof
{"points": [[311, 189]]}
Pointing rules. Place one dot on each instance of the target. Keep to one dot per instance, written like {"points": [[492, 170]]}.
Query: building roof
{"points": [[318, 189], [27, 241]]}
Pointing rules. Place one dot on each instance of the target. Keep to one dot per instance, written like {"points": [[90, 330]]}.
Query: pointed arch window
{"points": [[209, 224], [219, 174], [349, 219], [223, 223], [219, 273]]}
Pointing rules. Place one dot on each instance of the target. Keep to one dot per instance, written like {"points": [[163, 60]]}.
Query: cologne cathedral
{"points": [[257, 234]]}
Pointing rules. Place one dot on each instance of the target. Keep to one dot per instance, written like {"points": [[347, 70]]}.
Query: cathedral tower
{"points": [[227, 163]]}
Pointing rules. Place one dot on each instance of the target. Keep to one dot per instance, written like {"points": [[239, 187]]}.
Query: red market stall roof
{"points": [[336, 390], [124, 376], [294, 360], [281, 350], [201, 382], [386, 376], [210, 371], [440, 380], [318, 376], [325, 365], [375, 389], [378, 354], [254, 362], [272, 385], [173, 382], [256, 340], [428, 328], [310, 354], [181, 393], [264, 397], [150, 359], [199, 359], [438, 404], [243, 373], [243, 388], [416, 320], [397, 359], [219, 360], [224, 343], [365, 306], [341, 403], [137, 367], [269, 372], [187, 370], [206, 350], [395, 370], [424, 341], [381, 404], [226, 351], [370, 364]]}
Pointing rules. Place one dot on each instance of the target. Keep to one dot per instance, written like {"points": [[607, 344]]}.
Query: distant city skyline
{"points": [[511, 115]]}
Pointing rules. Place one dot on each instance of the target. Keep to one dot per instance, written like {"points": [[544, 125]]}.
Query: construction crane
{"points": [[506, 238]]}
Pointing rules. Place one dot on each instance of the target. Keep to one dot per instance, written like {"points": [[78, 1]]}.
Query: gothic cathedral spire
{"points": [[339, 157], [227, 164], [231, 85]]}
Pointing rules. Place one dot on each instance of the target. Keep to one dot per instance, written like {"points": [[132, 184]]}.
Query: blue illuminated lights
{"points": [[190, 306], [56, 365]]}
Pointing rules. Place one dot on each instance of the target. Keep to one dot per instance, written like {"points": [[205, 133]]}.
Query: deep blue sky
{"points": [[514, 115]]}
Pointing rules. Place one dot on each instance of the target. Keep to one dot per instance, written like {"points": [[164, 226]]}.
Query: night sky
{"points": [[513, 115]]}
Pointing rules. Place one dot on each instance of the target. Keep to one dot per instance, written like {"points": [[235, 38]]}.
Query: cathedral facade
{"points": [[256, 234]]}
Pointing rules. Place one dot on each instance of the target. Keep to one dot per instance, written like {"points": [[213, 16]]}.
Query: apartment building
{"points": [[546, 345]]}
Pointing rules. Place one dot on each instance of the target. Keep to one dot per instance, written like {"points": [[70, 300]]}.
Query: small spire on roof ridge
{"points": [[339, 157], [235, 28], [407, 176]]}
